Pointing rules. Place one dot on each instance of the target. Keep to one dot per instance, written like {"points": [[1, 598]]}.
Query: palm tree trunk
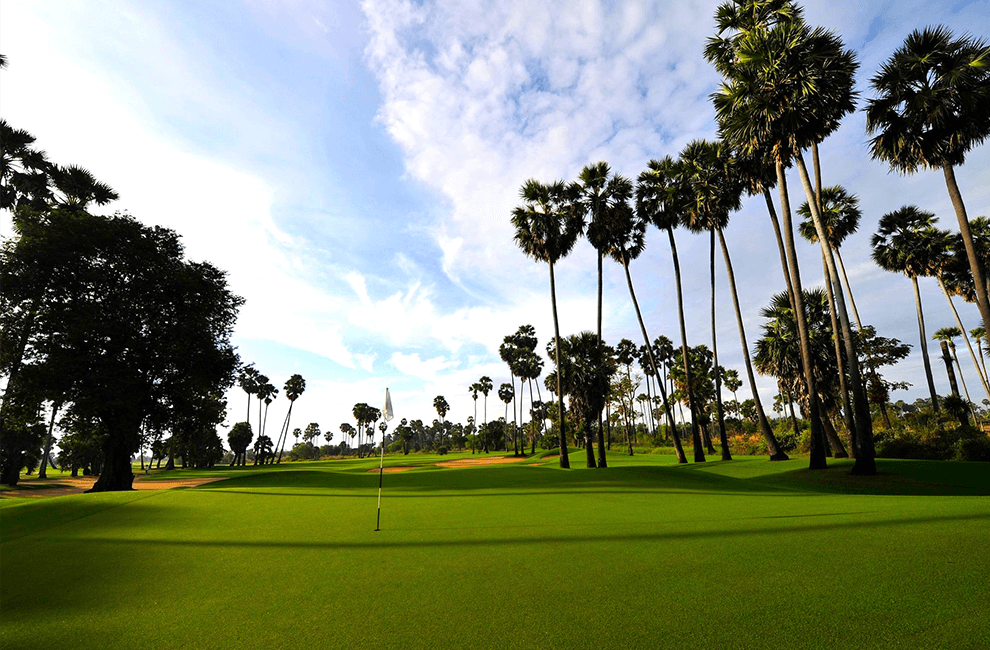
{"points": [[817, 455], [781, 248], [965, 336], [865, 454], [834, 441], [564, 461], [955, 357], [849, 292], [288, 419], [843, 387], [681, 458], [699, 453], [631, 413], [924, 345], [776, 453], [979, 286], [949, 370], [720, 414]]}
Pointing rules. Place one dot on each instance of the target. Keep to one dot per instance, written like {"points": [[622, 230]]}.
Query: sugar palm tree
{"points": [[840, 216], [980, 334], [247, 379], [932, 106], [474, 389], [713, 190], [787, 88], [949, 335], [901, 245], [660, 201], [294, 387], [952, 273], [485, 386], [547, 227], [506, 393]]}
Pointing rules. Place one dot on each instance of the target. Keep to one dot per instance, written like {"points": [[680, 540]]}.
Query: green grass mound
{"points": [[644, 554]]}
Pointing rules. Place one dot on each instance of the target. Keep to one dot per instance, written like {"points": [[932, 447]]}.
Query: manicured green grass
{"points": [[745, 554]]}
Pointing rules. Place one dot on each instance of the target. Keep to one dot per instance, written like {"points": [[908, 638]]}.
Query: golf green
{"points": [[644, 554]]}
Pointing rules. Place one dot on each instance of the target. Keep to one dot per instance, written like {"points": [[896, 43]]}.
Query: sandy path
{"points": [[62, 486]]}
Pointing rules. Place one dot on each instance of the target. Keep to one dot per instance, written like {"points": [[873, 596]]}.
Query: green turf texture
{"points": [[644, 554]]}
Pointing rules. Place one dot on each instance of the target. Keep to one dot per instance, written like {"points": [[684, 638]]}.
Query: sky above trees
{"points": [[354, 166]]}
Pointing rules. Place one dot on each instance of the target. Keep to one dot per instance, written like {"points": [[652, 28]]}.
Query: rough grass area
{"points": [[645, 554]]}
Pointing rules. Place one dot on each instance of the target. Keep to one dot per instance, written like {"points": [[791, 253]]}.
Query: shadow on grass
{"points": [[906, 478], [543, 538]]}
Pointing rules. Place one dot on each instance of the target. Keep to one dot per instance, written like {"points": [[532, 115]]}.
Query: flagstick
{"points": [[381, 470], [387, 415]]}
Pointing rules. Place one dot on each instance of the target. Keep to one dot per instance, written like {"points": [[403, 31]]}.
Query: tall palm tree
{"points": [[547, 227], [247, 379], [932, 106], [660, 201], [840, 216], [901, 246], [787, 88], [952, 274], [474, 389], [506, 393], [294, 387], [713, 191], [485, 386]]}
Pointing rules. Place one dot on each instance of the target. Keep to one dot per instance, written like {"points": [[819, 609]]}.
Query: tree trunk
{"points": [[843, 388], [699, 453], [949, 370], [979, 286], [865, 454], [924, 346], [564, 461], [845, 280], [681, 458], [965, 335], [838, 450], [817, 455], [43, 472], [123, 439], [776, 453], [720, 414], [288, 420]]}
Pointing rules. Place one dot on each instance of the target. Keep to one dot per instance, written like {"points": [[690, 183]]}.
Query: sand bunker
{"points": [[487, 460], [62, 486]]}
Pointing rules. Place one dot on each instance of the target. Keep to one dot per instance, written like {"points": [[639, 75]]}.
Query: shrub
{"points": [[973, 449], [747, 445]]}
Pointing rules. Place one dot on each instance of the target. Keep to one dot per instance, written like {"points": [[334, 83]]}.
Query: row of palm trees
{"points": [[253, 382], [785, 88]]}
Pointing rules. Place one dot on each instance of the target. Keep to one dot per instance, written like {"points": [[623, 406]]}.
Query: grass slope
{"points": [[647, 553]]}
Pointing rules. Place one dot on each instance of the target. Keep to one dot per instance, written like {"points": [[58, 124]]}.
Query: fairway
{"points": [[644, 554]]}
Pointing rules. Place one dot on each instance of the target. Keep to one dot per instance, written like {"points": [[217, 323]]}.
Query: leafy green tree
{"points": [[932, 106], [547, 227], [239, 439], [587, 368], [263, 448], [135, 328], [879, 351]]}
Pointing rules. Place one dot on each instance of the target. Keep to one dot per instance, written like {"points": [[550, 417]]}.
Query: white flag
{"points": [[387, 411]]}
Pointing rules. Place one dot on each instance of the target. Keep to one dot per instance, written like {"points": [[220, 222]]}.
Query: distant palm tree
{"points": [[294, 387], [980, 335], [247, 379], [949, 334], [547, 227], [932, 106], [901, 246]]}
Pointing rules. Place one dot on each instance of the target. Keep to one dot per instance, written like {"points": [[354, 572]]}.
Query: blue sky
{"points": [[353, 167]]}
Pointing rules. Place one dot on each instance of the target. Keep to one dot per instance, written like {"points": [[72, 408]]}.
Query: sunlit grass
{"points": [[647, 553]]}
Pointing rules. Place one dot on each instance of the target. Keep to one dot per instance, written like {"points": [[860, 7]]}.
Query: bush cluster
{"points": [[961, 443]]}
